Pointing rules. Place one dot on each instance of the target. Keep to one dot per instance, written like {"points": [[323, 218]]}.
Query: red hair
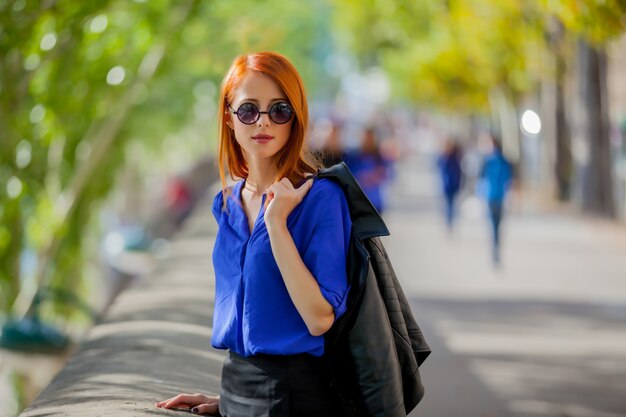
{"points": [[293, 160]]}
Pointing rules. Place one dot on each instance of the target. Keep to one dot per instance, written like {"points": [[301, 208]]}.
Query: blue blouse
{"points": [[253, 311]]}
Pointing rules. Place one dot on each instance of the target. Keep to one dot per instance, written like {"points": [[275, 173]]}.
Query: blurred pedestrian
{"points": [[178, 200], [280, 253], [495, 180], [332, 151], [450, 174], [370, 168]]}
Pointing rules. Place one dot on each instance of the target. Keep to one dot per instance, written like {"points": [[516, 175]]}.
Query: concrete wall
{"points": [[154, 341]]}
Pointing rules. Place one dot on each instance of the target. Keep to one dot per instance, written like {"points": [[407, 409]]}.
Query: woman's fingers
{"points": [[284, 198], [284, 185], [210, 408], [271, 192], [277, 189], [304, 188], [168, 401], [288, 185], [182, 401]]}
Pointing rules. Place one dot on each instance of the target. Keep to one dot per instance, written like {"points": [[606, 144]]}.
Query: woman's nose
{"points": [[264, 119]]}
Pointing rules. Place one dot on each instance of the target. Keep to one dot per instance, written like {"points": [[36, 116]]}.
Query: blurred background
{"points": [[108, 136]]}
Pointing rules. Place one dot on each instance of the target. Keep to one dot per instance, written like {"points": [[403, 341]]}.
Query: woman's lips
{"points": [[262, 138]]}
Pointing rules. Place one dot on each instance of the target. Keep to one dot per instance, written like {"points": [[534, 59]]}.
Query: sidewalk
{"points": [[545, 335]]}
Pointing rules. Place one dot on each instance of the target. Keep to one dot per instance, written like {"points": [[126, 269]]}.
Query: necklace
{"points": [[252, 188]]}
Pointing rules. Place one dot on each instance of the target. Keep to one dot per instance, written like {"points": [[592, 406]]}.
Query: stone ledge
{"points": [[154, 341]]}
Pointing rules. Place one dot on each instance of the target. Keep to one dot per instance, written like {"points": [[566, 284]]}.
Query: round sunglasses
{"points": [[249, 113]]}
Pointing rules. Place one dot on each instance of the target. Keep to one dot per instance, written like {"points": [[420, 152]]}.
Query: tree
{"points": [[63, 83], [595, 24]]}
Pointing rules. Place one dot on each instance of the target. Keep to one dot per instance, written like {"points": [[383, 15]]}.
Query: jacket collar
{"points": [[366, 221]]}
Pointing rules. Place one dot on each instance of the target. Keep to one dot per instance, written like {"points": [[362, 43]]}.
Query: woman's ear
{"points": [[229, 119]]}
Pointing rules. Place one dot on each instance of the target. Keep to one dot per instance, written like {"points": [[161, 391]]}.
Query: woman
{"points": [[280, 251]]}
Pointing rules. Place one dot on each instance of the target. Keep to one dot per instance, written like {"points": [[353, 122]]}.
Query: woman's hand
{"points": [[283, 198], [198, 403]]}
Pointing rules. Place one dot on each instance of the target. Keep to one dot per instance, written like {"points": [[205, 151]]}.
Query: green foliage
{"points": [[452, 53], [597, 21]]}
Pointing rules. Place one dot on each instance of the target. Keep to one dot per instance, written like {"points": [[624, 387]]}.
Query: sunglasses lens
{"points": [[281, 113], [248, 113]]}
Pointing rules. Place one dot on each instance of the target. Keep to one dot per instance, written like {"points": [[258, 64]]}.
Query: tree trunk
{"points": [[597, 184], [563, 157], [563, 164]]}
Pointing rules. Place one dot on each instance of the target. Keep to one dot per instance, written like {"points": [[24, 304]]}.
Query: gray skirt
{"points": [[276, 386]]}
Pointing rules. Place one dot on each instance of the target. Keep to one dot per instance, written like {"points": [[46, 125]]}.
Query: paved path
{"points": [[545, 335]]}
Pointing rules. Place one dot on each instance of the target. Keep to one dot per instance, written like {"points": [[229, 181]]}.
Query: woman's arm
{"points": [[317, 313]]}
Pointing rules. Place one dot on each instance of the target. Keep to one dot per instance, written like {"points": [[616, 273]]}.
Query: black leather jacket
{"points": [[375, 349]]}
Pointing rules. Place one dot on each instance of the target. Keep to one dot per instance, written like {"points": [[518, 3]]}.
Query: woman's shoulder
{"points": [[326, 204], [218, 200], [218, 204], [326, 187], [325, 192]]}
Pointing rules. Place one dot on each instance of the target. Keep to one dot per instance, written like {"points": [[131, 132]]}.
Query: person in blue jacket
{"points": [[370, 168], [495, 180], [280, 252], [450, 174]]}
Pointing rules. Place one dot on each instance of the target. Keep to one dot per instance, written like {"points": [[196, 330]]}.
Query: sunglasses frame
{"points": [[259, 112]]}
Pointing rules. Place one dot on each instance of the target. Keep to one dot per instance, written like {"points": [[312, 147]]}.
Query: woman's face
{"points": [[264, 138]]}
